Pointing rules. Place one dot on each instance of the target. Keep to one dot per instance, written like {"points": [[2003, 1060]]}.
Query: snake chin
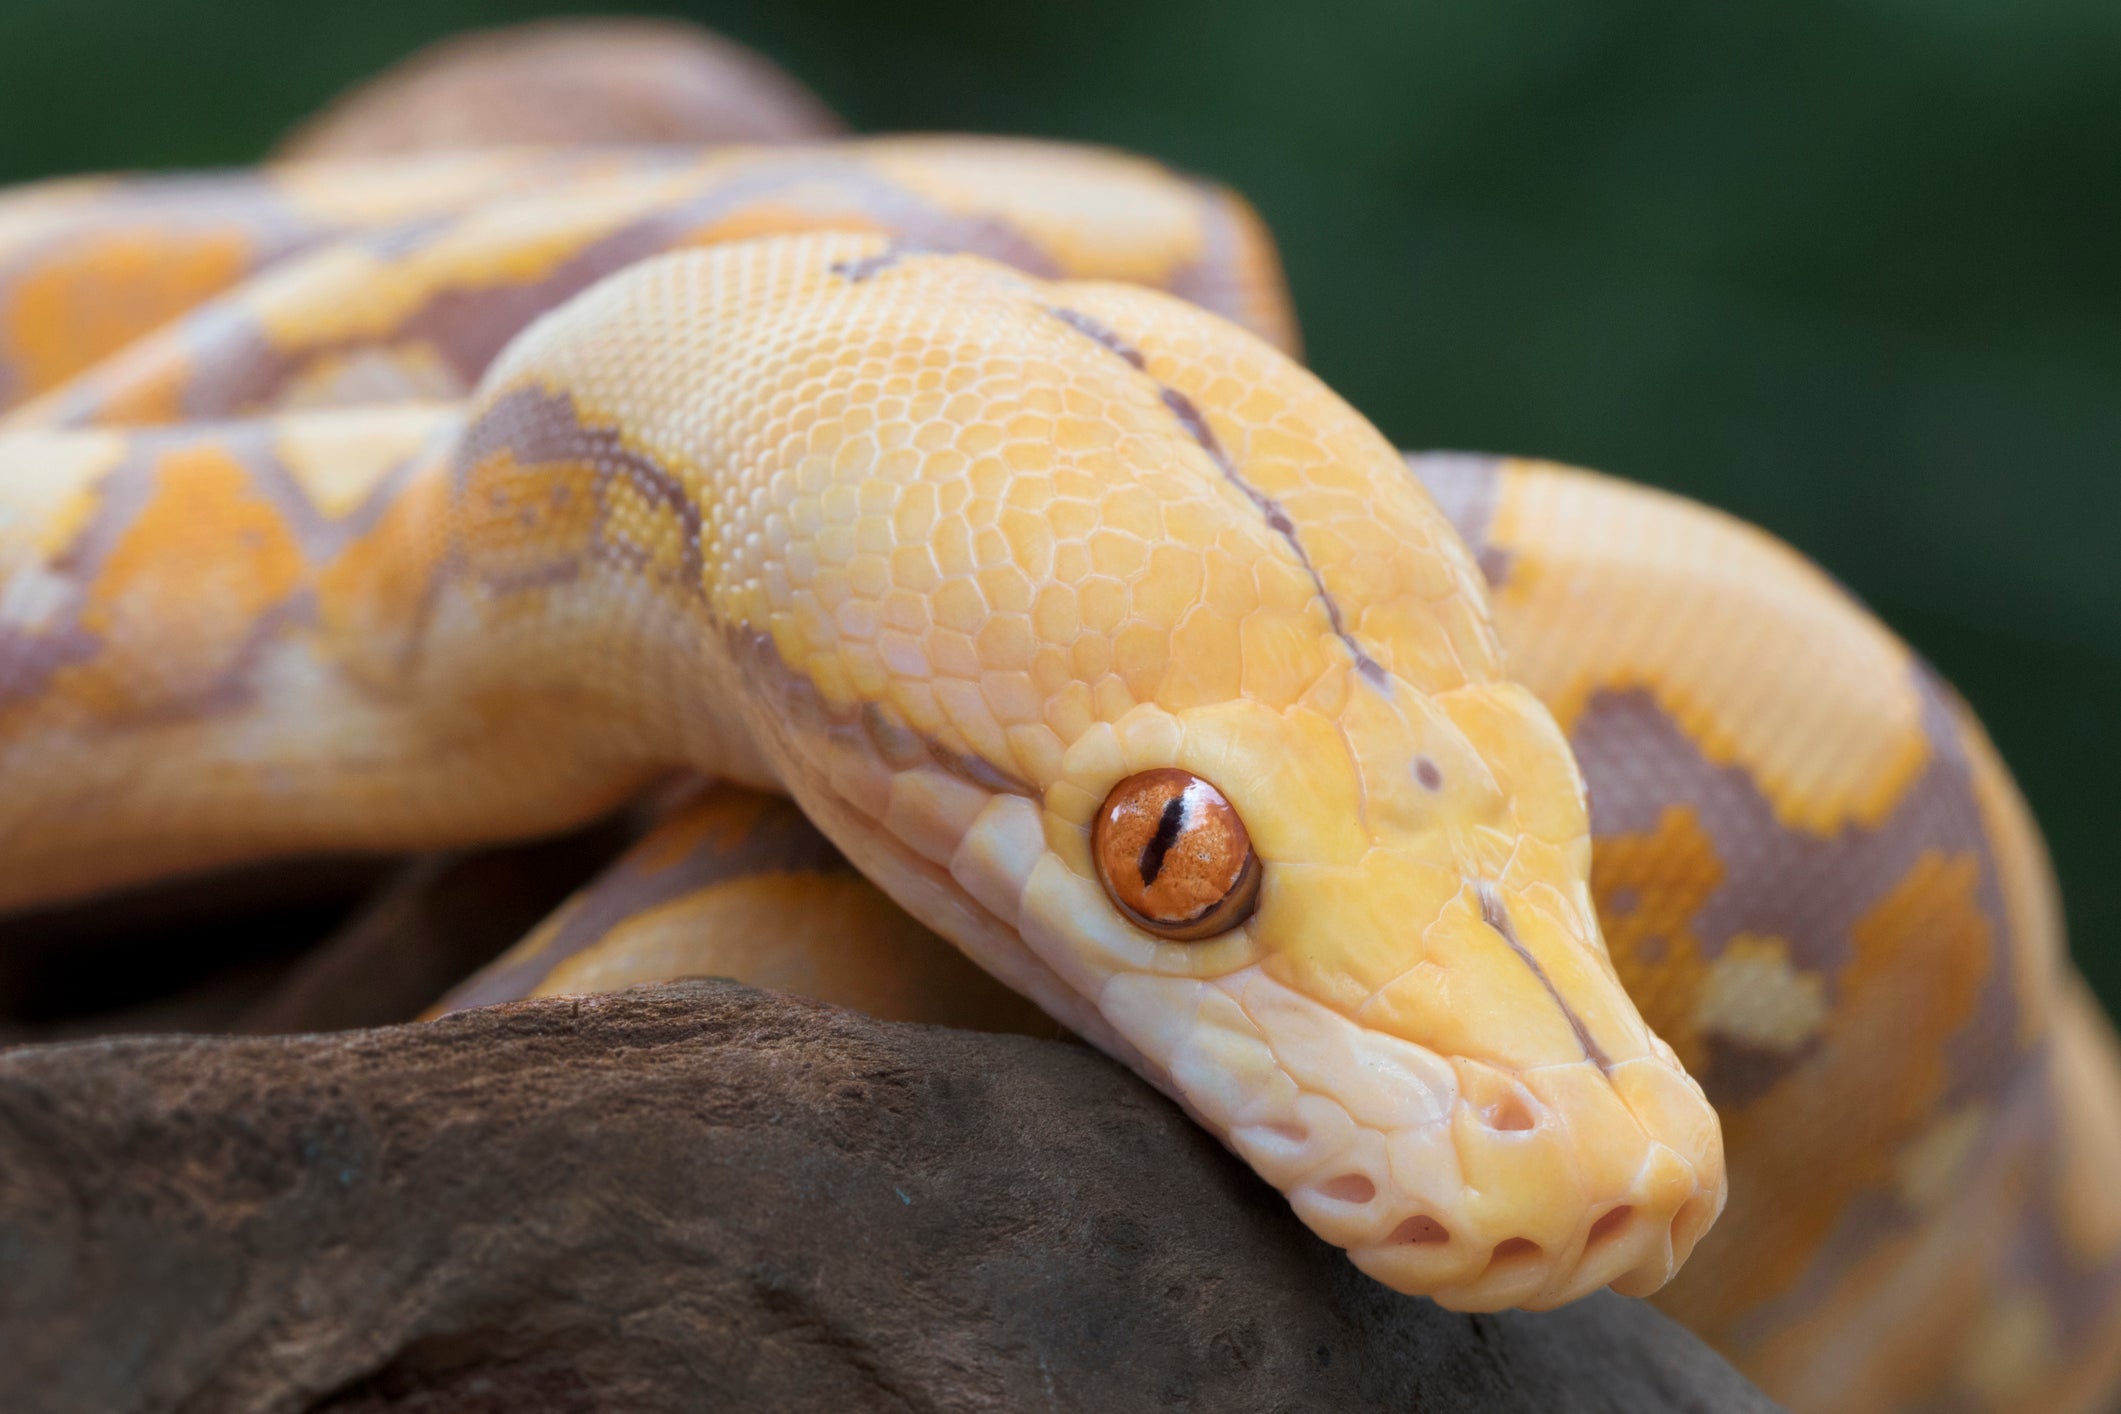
{"points": [[1445, 1177]]}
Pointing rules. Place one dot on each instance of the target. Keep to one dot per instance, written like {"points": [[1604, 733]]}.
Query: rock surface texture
{"points": [[705, 1197]]}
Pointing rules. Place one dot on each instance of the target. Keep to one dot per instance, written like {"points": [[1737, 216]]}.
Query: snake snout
{"points": [[1535, 1190], [1482, 1183]]}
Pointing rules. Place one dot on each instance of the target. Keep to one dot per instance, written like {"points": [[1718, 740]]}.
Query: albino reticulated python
{"points": [[409, 501]]}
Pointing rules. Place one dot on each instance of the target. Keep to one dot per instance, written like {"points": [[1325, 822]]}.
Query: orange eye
{"points": [[1174, 856]]}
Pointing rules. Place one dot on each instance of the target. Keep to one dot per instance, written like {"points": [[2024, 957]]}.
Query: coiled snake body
{"points": [[418, 501]]}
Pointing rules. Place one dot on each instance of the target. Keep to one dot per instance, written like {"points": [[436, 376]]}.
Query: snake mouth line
{"points": [[1496, 914]]}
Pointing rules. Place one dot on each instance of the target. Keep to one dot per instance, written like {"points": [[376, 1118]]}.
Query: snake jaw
{"points": [[1480, 1188]]}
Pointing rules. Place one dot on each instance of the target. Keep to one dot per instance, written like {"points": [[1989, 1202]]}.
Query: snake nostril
{"points": [[1421, 1230], [1611, 1224], [1349, 1188], [1288, 1132], [1496, 1100], [1508, 1113]]}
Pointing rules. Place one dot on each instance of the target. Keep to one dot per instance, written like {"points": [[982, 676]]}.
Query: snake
{"points": [[1545, 882]]}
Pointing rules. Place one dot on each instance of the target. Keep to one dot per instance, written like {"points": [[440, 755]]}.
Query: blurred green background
{"points": [[1845, 267]]}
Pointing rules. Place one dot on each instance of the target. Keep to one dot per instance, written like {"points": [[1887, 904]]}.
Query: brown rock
{"points": [[702, 1197]]}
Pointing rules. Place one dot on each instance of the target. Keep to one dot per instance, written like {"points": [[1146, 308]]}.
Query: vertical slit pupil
{"points": [[1159, 845]]}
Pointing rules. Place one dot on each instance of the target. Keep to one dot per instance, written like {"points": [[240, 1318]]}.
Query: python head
{"points": [[1121, 652]]}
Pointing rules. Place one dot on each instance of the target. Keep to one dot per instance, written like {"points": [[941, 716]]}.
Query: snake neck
{"points": [[568, 582]]}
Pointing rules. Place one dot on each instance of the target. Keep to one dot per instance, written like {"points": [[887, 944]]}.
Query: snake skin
{"points": [[407, 291], [351, 505], [732, 883]]}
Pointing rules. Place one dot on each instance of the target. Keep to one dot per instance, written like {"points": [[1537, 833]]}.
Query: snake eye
{"points": [[1174, 856]]}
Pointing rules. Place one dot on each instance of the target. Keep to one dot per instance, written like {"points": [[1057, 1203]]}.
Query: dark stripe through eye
{"points": [[1159, 845]]}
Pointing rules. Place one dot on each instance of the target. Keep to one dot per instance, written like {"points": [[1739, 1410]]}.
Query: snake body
{"points": [[410, 502], [401, 280]]}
